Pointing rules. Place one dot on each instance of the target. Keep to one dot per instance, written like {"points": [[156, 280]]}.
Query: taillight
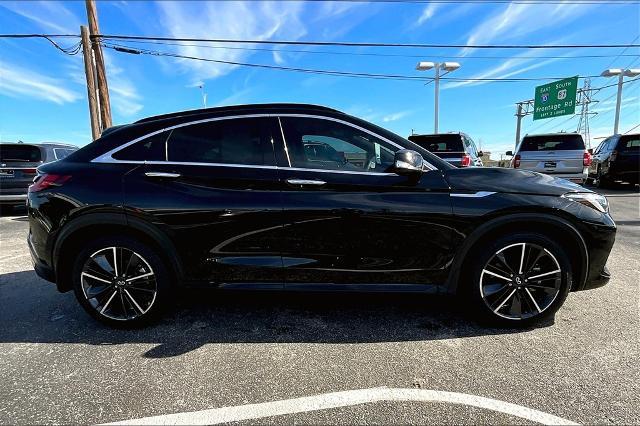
{"points": [[613, 156], [466, 161], [516, 161], [586, 159], [48, 181]]}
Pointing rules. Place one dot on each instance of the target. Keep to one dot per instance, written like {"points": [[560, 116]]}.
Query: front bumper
{"points": [[599, 240]]}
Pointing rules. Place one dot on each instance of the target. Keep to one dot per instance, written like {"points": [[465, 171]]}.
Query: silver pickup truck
{"points": [[558, 154]]}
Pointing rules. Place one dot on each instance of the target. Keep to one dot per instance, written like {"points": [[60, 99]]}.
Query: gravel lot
{"points": [[219, 350]]}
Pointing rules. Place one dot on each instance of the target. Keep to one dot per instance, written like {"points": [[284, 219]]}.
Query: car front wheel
{"points": [[120, 281], [520, 279]]}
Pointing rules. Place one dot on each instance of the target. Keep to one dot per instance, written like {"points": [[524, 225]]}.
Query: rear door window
{"points": [[12, 153], [234, 141], [552, 143], [439, 143], [629, 143]]}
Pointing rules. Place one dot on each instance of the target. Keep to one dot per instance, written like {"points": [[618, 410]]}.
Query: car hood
{"points": [[508, 180]]}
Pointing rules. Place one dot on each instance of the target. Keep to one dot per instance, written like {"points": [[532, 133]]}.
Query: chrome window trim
{"points": [[108, 156], [478, 194]]}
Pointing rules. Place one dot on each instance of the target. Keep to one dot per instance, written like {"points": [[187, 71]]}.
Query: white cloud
{"points": [[48, 15], [227, 20], [507, 69], [517, 20], [395, 116], [123, 93], [19, 82], [427, 13]]}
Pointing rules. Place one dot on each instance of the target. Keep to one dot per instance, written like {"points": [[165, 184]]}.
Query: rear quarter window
{"points": [[20, 153], [60, 153], [629, 143], [552, 143], [152, 148]]}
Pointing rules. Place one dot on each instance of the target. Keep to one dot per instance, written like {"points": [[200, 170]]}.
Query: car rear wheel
{"points": [[520, 280], [120, 281], [601, 181]]}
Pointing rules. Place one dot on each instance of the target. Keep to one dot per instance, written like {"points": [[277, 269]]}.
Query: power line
{"points": [[325, 52], [632, 129], [104, 37], [127, 49]]}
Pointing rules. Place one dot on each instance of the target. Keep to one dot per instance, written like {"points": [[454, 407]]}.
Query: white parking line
{"points": [[343, 399]]}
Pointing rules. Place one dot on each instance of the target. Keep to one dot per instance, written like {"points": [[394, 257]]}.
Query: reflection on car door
{"points": [[348, 220], [214, 187]]}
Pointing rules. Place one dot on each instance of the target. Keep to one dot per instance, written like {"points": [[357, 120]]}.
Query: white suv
{"points": [[559, 154]]}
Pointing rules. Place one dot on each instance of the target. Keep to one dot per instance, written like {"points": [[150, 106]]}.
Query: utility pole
{"points": [[436, 109], [103, 88], [91, 83]]}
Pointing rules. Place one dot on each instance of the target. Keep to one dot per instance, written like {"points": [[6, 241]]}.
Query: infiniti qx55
{"points": [[303, 197]]}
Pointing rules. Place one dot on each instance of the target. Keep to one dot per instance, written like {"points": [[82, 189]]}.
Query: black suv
{"points": [[456, 148], [18, 162], [616, 158], [302, 197]]}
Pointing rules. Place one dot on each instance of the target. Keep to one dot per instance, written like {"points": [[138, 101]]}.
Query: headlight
{"points": [[590, 199]]}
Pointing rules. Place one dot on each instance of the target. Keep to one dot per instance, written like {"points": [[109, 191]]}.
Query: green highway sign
{"points": [[555, 99]]}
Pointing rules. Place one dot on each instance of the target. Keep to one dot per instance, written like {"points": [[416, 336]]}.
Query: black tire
{"points": [[137, 306], [601, 181], [538, 300]]}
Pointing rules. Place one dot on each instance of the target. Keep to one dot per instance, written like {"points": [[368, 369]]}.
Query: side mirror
{"points": [[480, 153], [408, 163], [510, 153], [590, 151]]}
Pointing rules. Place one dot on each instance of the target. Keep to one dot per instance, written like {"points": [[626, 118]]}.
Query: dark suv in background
{"points": [[303, 197], [616, 158], [455, 148], [18, 163]]}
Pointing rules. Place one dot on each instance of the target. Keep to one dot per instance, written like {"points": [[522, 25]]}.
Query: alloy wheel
{"points": [[520, 281], [119, 283]]}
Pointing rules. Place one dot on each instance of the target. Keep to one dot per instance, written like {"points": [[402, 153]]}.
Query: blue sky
{"points": [[43, 95]]}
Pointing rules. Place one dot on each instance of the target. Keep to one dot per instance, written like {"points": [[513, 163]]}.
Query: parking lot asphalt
{"points": [[224, 350]]}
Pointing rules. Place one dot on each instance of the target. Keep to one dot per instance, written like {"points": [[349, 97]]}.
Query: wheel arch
{"points": [[92, 225], [555, 227]]}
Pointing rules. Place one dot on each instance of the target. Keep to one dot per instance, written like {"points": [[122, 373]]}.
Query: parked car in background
{"points": [[303, 197], [455, 148], [562, 155], [18, 163], [616, 158]]}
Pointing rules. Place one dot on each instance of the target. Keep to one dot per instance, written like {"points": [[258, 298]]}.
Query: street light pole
{"points": [[447, 66], [621, 74], [436, 97], [616, 123]]}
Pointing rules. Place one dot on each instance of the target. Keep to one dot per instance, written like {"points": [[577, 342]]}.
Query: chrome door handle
{"points": [[309, 182], [163, 175]]}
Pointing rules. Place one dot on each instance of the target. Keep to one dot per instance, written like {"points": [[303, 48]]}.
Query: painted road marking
{"points": [[343, 399]]}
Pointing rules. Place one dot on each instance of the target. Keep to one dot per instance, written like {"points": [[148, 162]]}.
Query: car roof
{"points": [[247, 108], [554, 134], [49, 144]]}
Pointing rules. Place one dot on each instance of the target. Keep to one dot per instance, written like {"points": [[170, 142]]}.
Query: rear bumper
{"points": [[43, 270], [14, 199]]}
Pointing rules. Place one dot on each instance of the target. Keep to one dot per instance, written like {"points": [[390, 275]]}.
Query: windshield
{"points": [[439, 143], [552, 143], [19, 153]]}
